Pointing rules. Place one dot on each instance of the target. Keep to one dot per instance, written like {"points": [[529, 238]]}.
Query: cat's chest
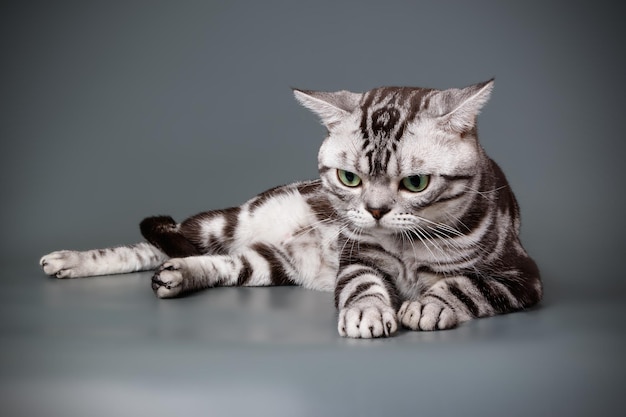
{"points": [[417, 254], [422, 269]]}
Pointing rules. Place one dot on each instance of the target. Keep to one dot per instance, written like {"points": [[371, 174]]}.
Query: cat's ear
{"points": [[332, 108], [458, 108]]}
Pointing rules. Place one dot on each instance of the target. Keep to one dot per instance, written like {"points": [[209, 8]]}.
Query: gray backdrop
{"points": [[112, 111]]}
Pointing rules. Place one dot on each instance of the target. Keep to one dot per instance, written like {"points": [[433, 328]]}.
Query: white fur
{"points": [[275, 221]]}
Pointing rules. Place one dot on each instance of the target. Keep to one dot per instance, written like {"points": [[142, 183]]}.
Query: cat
{"points": [[411, 224]]}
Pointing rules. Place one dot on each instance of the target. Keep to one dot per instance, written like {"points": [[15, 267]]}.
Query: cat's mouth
{"points": [[378, 227]]}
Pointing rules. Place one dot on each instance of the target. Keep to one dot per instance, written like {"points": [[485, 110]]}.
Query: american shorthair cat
{"points": [[410, 224]]}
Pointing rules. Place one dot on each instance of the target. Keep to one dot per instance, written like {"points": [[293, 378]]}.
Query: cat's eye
{"points": [[349, 179], [416, 183]]}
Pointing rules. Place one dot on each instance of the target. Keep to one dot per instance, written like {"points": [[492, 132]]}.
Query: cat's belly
{"points": [[313, 252], [276, 221], [288, 224]]}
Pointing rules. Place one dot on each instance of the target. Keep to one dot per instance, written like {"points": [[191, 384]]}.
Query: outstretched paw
{"points": [[427, 315], [61, 264], [167, 281], [367, 321]]}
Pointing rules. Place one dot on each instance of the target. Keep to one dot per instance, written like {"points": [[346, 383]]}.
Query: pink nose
{"points": [[378, 212]]}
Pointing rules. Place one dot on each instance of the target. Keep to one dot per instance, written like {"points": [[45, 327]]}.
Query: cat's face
{"points": [[397, 160]]}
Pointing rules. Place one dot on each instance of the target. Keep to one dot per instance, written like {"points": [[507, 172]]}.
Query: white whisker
{"points": [[422, 237], [485, 193]]}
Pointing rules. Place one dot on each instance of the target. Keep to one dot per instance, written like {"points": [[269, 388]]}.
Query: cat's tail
{"points": [[163, 232]]}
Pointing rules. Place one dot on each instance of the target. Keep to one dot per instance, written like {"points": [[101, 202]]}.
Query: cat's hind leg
{"points": [[122, 259], [164, 233]]}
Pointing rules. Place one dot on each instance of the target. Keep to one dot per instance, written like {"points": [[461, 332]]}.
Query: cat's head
{"points": [[397, 158]]}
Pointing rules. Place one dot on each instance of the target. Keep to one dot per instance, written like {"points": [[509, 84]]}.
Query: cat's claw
{"points": [[367, 321], [61, 264], [167, 281], [427, 315]]}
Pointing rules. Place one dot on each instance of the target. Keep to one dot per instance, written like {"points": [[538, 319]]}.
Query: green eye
{"points": [[416, 183], [349, 179]]}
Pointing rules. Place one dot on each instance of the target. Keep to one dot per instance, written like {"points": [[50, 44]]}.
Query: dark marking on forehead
{"points": [[387, 158], [419, 100], [385, 114], [343, 155], [369, 98], [384, 120], [391, 108]]}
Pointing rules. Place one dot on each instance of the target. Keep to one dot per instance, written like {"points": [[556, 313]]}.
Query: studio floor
{"points": [[106, 346]]}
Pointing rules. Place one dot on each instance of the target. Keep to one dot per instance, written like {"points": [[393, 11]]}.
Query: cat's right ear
{"points": [[332, 108]]}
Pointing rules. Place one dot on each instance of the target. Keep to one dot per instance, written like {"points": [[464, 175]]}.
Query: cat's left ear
{"points": [[332, 108], [458, 108]]}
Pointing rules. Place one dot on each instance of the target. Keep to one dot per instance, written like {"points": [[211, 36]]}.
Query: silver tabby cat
{"points": [[410, 224]]}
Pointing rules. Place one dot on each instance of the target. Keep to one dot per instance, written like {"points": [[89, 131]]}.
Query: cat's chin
{"points": [[378, 230]]}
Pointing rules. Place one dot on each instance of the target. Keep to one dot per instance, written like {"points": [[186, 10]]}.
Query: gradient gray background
{"points": [[113, 111]]}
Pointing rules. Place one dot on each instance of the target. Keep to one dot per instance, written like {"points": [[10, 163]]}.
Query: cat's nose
{"points": [[378, 212]]}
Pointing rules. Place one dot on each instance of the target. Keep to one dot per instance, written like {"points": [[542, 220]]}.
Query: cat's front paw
{"points": [[61, 264], [427, 315], [167, 281], [367, 321]]}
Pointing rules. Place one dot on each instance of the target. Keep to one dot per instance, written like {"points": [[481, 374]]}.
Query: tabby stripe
{"points": [[358, 260], [384, 120], [345, 279], [309, 187], [392, 292], [198, 230], [322, 208], [481, 204], [339, 192], [361, 254], [387, 158], [323, 169], [278, 274], [457, 177], [424, 269], [372, 263], [370, 161], [506, 200], [364, 109], [138, 255], [464, 298], [376, 295], [443, 300], [418, 99], [449, 198], [262, 198], [245, 272], [358, 291], [376, 285], [473, 217], [231, 217], [498, 301], [523, 290]]}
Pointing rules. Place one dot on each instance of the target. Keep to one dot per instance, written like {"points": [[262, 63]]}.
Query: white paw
{"points": [[167, 281], [427, 315], [61, 264], [367, 321]]}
